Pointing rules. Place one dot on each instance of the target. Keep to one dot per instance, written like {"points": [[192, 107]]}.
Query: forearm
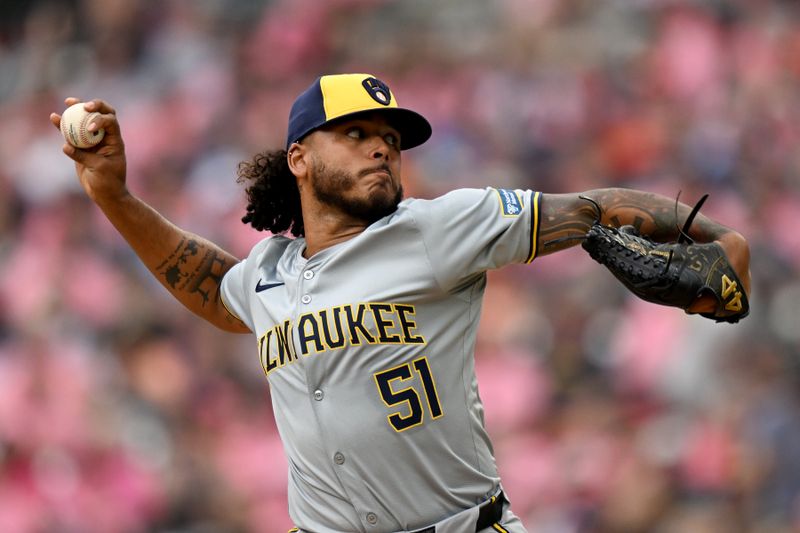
{"points": [[659, 217], [188, 266], [191, 268], [567, 217]]}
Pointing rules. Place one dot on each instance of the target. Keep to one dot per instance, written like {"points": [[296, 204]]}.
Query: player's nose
{"points": [[379, 148]]}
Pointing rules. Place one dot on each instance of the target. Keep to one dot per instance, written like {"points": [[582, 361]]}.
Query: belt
{"points": [[490, 512]]}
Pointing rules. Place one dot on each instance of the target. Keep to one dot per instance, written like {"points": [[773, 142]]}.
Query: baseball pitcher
{"points": [[365, 305]]}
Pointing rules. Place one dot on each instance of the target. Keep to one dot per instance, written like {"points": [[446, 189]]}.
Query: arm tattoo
{"points": [[564, 225], [193, 268], [656, 216]]}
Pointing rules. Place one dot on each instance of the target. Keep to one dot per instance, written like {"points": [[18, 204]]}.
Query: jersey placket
{"points": [[336, 449]]}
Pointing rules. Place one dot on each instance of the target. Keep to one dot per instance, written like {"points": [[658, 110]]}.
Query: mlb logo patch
{"points": [[510, 202]]}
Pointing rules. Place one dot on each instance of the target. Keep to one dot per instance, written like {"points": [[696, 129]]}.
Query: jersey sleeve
{"points": [[232, 293], [238, 285], [470, 231]]}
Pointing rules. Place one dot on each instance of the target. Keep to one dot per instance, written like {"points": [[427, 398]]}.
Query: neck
{"points": [[326, 226]]}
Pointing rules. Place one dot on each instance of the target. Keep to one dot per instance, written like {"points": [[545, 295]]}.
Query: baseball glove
{"points": [[672, 274]]}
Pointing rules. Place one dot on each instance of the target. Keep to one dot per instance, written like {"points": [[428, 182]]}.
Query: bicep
{"points": [[193, 273]]}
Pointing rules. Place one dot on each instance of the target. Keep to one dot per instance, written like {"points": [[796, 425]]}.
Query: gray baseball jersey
{"points": [[368, 351]]}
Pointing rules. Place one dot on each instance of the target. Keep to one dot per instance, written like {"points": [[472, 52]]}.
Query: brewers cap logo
{"points": [[378, 90]]}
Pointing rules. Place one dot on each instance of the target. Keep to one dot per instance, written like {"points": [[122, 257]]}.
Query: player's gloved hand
{"points": [[101, 169], [678, 274]]}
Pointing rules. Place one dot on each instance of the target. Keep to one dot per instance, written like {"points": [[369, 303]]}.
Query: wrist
{"points": [[737, 250], [110, 198]]}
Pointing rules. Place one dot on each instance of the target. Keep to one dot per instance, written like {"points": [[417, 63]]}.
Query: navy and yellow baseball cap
{"points": [[345, 95]]}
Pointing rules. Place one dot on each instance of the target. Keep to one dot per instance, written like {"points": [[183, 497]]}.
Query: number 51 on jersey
{"points": [[393, 393]]}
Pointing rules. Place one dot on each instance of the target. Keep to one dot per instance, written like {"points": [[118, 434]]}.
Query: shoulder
{"points": [[271, 248], [455, 198], [464, 201]]}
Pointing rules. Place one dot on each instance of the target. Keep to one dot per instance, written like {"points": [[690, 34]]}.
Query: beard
{"points": [[331, 187]]}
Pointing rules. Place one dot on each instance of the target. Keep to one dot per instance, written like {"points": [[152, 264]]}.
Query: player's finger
{"points": [[73, 153], [101, 106], [703, 304], [106, 121]]}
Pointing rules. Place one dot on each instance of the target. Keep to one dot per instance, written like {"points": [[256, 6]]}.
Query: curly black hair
{"points": [[273, 200]]}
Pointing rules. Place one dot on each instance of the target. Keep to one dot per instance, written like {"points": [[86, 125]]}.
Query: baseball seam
{"points": [[78, 134], [82, 129]]}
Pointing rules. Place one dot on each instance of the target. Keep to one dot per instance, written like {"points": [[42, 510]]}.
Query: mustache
{"points": [[384, 168]]}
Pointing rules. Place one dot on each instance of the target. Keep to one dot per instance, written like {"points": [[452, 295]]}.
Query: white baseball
{"points": [[74, 122]]}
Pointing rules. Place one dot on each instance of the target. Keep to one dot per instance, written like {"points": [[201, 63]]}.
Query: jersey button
{"points": [[318, 395], [338, 458], [306, 299], [372, 518], [308, 274]]}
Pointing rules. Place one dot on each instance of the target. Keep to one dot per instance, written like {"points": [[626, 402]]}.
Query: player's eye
{"points": [[355, 133], [391, 139]]}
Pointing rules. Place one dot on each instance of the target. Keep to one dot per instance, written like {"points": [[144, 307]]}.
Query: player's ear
{"points": [[297, 157]]}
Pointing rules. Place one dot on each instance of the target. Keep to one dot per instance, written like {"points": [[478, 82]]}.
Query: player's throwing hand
{"points": [[101, 168]]}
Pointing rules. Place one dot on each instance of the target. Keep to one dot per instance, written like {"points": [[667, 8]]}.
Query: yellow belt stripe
{"points": [[500, 528]]}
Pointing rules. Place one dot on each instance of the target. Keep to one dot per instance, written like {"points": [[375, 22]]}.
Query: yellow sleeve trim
{"points": [[228, 309], [535, 204]]}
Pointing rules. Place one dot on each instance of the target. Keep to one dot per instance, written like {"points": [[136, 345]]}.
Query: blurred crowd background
{"points": [[122, 413]]}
